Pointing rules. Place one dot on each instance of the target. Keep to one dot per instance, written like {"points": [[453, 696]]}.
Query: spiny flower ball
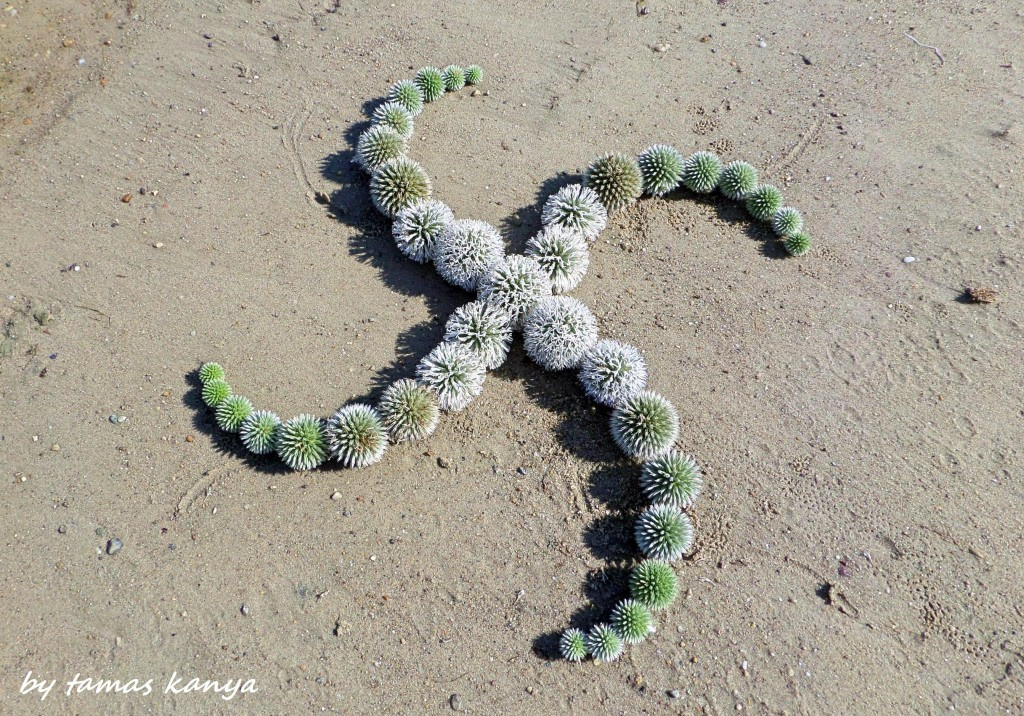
{"points": [[466, 250], [663, 532], [396, 116], [454, 373], [645, 425], [515, 284], [661, 167], [454, 78], [576, 208], [356, 436], [474, 75], [407, 94], [301, 442], [377, 145], [654, 584], [418, 227], [632, 621], [787, 221], [672, 478], [215, 392], [738, 180], [259, 432], [231, 412], [398, 184], [483, 328], [702, 172], [558, 332], [798, 244], [211, 371], [563, 255], [603, 643], [430, 82], [612, 371], [763, 202], [408, 410], [617, 180], [573, 645]]}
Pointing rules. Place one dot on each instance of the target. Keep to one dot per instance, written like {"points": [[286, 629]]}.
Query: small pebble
{"points": [[662, 47], [245, 610], [909, 259], [117, 419], [674, 693], [114, 546], [762, 44], [455, 701], [441, 462], [158, 245], [55, 447], [521, 470], [475, 93], [336, 496], [189, 438], [127, 198], [62, 530]]}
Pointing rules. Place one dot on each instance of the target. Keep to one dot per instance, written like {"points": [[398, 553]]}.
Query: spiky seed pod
{"points": [[418, 227], [603, 643], [653, 584], [738, 180], [515, 284], [431, 83], [763, 202], [301, 442], [661, 167], [396, 116], [632, 621], [645, 425], [259, 431], [702, 171], [407, 94], [672, 478], [454, 78], [474, 75], [454, 373], [663, 532], [576, 208], [798, 244], [612, 372], [787, 221], [616, 179], [215, 392], [573, 645], [408, 410], [563, 255], [232, 412], [356, 436], [558, 332], [378, 145], [397, 184], [211, 371], [466, 250], [483, 328]]}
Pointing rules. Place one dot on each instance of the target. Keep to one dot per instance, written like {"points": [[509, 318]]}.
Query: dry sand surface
{"points": [[859, 544]]}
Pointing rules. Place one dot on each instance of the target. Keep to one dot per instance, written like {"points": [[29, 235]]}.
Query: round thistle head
{"points": [[645, 425], [211, 371], [738, 180], [787, 221], [611, 372], [407, 94], [454, 78], [408, 410], [632, 621], [474, 75], [654, 584], [661, 167], [672, 478], [483, 328], [578, 209], [454, 373], [397, 184], [616, 179], [301, 442], [701, 172], [232, 412], [377, 145], [395, 116], [798, 244], [563, 255], [514, 284], [430, 82], [466, 250], [663, 532], [259, 432], [763, 201], [215, 392], [558, 332], [573, 645], [603, 643], [356, 436], [418, 227]]}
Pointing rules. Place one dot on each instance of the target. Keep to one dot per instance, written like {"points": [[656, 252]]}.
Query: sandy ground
{"points": [[860, 543]]}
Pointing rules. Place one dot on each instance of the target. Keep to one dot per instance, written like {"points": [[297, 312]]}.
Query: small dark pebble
{"points": [[455, 701], [441, 462], [172, 546], [207, 36], [521, 470], [114, 546], [807, 60], [62, 530], [276, 38], [53, 356], [322, 680]]}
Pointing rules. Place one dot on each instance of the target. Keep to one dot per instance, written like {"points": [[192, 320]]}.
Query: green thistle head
{"points": [[211, 371], [763, 202], [231, 412], [616, 179], [408, 410], [356, 436], [394, 115], [573, 645], [484, 328], [662, 169], [397, 184], [738, 180], [672, 478], [454, 78], [702, 172], [603, 643], [216, 392], [632, 621], [301, 442], [377, 145], [259, 432], [787, 221], [431, 83], [407, 94], [663, 532], [654, 584], [798, 244], [474, 75], [645, 425]]}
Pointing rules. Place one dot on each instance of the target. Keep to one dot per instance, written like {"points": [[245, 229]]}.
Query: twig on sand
{"points": [[942, 60]]}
